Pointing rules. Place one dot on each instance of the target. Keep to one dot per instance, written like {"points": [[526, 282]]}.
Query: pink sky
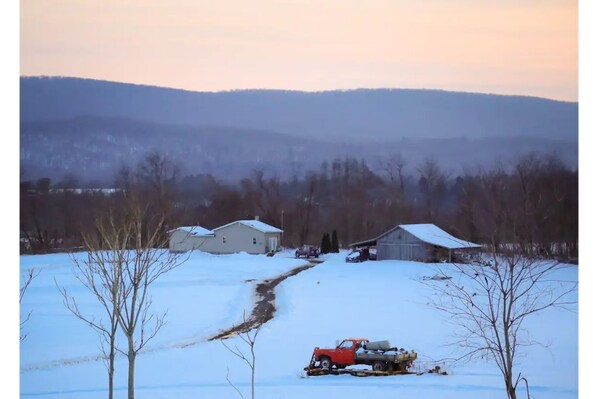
{"points": [[524, 47]]}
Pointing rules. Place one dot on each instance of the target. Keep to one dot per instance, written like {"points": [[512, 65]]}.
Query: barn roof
{"points": [[195, 231], [254, 224], [434, 235], [426, 232]]}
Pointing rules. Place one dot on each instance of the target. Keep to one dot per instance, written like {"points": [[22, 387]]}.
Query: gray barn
{"points": [[417, 242]]}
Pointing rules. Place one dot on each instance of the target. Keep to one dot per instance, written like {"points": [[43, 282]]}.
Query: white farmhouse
{"points": [[251, 236]]}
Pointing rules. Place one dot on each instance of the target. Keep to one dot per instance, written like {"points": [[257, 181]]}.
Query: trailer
{"points": [[380, 355]]}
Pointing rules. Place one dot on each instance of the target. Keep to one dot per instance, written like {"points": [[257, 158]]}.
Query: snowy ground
{"points": [[335, 300]]}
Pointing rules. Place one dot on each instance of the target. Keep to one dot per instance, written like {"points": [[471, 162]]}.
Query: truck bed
{"points": [[371, 356]]}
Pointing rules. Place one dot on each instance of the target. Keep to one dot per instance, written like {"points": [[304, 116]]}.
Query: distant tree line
{"points": [[531, 203]]}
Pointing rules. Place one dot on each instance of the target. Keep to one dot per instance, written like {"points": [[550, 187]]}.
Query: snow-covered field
{"points": [[334, 300]]}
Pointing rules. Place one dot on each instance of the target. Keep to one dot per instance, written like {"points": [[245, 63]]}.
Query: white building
{"points": [[188, 238], [251, 236]]}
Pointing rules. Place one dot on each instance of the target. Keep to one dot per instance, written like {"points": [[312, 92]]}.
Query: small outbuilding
{"points": [[251, 236], [188, 238], [417, 242]]}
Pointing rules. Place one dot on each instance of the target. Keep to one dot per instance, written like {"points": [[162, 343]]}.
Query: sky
{"points": [[527, 47]]}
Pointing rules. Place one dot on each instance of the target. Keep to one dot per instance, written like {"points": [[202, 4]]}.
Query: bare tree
{"points": [[101, 273], [124, 257], [393, 165], [249, 338], [433, 187], [489, 302], [31, 274], [305, 207], [159, 172], [141, 266]]}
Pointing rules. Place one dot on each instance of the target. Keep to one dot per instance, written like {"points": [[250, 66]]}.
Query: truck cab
{"points": [[341, 356]]}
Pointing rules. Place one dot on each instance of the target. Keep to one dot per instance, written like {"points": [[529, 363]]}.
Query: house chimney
{"points": [[257, 218]]}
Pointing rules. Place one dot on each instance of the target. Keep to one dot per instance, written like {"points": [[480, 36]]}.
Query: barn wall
{"points": [[401, 245]]}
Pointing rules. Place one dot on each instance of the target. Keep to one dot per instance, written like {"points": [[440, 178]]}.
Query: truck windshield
{"points": [[346, 345]]}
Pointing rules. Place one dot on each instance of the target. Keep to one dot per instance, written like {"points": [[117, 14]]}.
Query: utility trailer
{"points": [[384, 359]]}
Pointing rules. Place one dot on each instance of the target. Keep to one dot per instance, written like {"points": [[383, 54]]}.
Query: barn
{"points": [[251, 236], [417, 242]]}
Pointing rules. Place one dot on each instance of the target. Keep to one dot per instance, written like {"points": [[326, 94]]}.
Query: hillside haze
{"points": [[86, 126]]}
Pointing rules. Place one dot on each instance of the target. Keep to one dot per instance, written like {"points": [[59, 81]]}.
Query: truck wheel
{"points": [[325, 363], [400, 367], [379, 366]]}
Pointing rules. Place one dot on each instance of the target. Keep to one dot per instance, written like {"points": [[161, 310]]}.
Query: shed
{"points": [[418, 242], [251, 236], [188, 238]]}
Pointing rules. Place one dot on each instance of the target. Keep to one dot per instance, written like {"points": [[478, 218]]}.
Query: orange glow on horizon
{"points": [[508, 47]]}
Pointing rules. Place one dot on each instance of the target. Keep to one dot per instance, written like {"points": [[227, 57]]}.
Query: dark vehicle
{"points": [[359, 255], [307, 251]]}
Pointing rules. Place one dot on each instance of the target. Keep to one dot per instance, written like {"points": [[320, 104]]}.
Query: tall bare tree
{"points": [[101, 272], [123, 258], [145, 261], [394, 167], [433, 187], [489, 302]]}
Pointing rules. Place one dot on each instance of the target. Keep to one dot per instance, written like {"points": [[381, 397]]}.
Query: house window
{"points": [[254, 240], [224, 240]]}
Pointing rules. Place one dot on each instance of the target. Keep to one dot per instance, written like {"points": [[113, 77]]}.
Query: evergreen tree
{"points": [[325, 247], [334, 245]]}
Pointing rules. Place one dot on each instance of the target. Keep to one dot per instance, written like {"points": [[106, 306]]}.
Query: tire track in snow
{"points": [[264, 307], [263, 311]]}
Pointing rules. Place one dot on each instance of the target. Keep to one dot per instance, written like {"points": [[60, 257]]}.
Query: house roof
{"points": [[195, 231], [427, 232], [254, 224]]}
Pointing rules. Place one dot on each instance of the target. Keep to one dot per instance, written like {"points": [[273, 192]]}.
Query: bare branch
{"points": [[488, 302]]}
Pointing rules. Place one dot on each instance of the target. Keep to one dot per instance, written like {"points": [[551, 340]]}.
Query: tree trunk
{"points": [[253, 380], [111, 371], [131, 380], [511, 391]]}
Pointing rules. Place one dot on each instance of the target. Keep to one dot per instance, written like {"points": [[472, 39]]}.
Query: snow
{"points": [[196, 231], [332, 301], [255, 224], [434, 235]]}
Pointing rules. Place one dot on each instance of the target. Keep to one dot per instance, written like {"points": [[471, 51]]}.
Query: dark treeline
{"points": [[532, 202]]}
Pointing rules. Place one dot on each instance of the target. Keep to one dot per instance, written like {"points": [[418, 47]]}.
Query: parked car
{"points": [[307, 251], [359, 255]]}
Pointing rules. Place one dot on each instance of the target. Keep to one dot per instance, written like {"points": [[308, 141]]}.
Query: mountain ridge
{"points": [[422, 89], [356, 114]]}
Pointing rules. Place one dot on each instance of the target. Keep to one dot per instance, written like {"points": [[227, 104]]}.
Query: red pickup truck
{"points": [[380, 355]]}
